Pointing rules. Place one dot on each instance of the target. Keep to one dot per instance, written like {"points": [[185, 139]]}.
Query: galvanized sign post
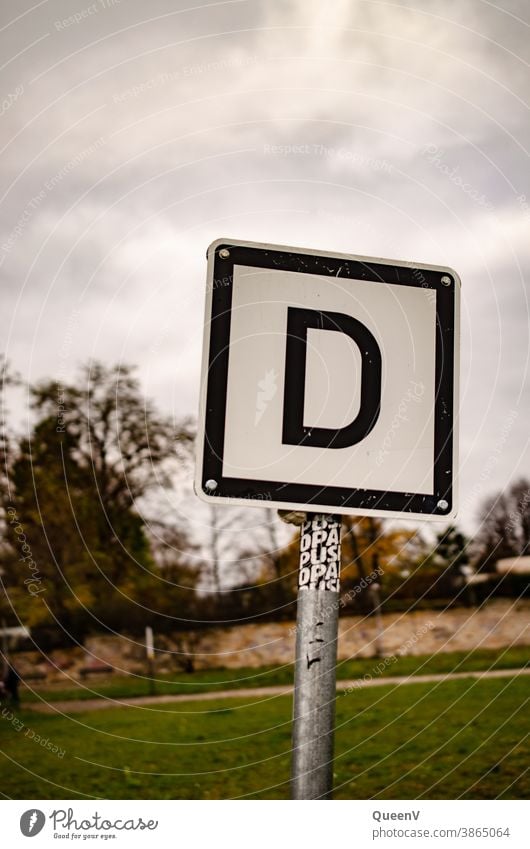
{"points": [[316, 658]]}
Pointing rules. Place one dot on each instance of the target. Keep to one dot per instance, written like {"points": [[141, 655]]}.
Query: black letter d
{"points": [[294, 432]]}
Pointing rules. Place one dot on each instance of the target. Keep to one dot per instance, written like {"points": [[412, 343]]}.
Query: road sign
{"points": [[329, 382]]}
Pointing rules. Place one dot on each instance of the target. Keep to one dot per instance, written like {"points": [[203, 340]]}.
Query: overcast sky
{"points": [[133, 134]]}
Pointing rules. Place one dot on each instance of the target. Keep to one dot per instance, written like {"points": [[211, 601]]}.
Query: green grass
{"points": [[211, 680], [438, 740]]}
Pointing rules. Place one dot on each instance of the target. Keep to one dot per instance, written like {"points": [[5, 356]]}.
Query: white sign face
{"points": [[329, 382]]}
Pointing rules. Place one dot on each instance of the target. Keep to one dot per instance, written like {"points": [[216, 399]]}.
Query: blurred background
{"points": [[132, 137]]}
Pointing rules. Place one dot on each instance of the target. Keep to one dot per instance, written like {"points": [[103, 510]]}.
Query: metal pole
{"points": [[316, 657]]}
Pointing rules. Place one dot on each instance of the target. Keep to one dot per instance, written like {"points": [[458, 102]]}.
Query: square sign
{"points": [[329, 383]]}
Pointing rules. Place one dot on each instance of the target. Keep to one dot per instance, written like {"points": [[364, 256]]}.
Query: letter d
{"points": [[294, 431]]}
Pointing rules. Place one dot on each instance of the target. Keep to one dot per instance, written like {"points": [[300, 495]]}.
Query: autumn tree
{"points": [[172, 589], [119, 436], [272, 557], [375, 551], [97, 448], [52, 531], [8, 379]]}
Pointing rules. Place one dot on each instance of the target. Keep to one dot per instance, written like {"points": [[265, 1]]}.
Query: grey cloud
{"points": [[185, 105]]}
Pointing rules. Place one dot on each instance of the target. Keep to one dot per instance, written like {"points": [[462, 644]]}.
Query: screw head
{"points": [[224, 253], [210, 484], [442, 504], [446, 281]]}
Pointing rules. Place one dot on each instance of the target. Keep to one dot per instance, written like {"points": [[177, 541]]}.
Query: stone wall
{"points": [[500, 623]]}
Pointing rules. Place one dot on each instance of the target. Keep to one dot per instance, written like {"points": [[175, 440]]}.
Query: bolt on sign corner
{"points": [[329, 382]]}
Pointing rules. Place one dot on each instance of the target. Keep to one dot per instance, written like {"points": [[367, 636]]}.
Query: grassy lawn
{"points": [[118, 687], [438, 740]]}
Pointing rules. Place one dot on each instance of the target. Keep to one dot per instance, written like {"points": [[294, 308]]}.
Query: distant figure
{"points": [[11, 682]]}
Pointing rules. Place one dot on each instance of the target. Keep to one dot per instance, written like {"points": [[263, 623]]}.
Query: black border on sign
{"points": [[217, 378]]}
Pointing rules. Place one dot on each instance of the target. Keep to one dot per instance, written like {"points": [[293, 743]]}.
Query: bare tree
{"points": [[217, 525], [8, 379], [219, 535], [127, 445], [504, 525]]}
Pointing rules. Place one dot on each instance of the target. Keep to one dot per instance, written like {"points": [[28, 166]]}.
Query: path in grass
{"points": [[80, 706], [125, 688]]}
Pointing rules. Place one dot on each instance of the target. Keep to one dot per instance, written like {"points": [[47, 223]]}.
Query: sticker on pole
{"points": [[329, 382]]}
